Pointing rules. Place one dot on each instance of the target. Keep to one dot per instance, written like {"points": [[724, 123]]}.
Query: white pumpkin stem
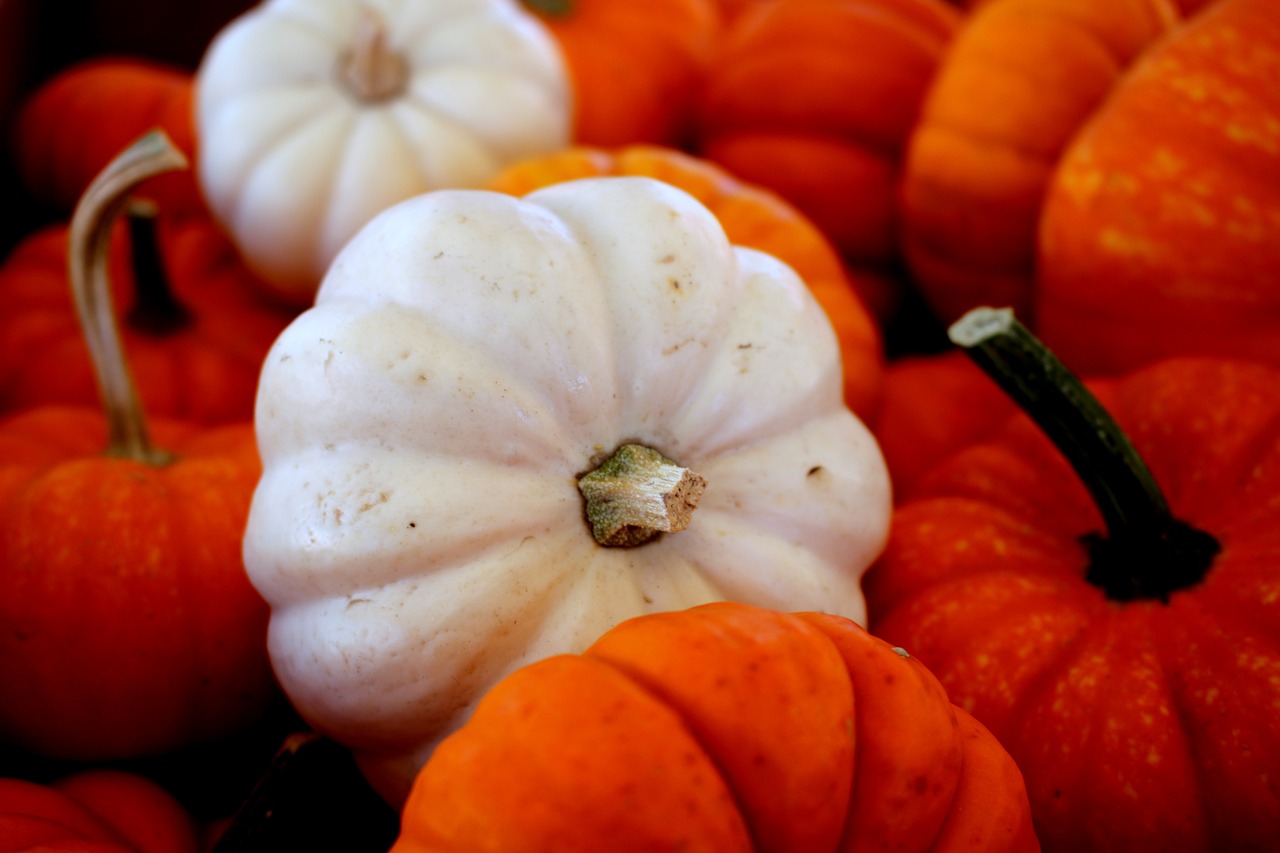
{"points": [[372, 71], [638, 493], [88, 251]]}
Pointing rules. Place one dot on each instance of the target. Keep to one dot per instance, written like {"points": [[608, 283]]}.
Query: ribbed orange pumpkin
{"points": [[751, 217], [815, 99], [1161, 230], [1122, 641], [720, 728], [77, 121], [130, 627], [93, 811], [636, 67], [1019, 80]]}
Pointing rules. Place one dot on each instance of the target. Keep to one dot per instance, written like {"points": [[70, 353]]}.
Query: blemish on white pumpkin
{"points": [[667, 259]]}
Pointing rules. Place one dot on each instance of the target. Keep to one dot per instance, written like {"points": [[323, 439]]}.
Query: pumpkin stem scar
{"points": [[636, 494], [1145, 552], [370, 69], [88, 247]]}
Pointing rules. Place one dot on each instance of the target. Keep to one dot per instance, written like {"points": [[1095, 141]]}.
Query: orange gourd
{"points": [[194, 321], [816, 99], [74, 123], [635, 67], [130, 627], [1019, 80], [1117, 630], [751, 217], [1160, 234], [94, 811], [720, 728]]}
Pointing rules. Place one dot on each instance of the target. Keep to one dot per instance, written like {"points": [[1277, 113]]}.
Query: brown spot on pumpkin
{"points": [[413, 524], [814, 471], [667, 259], [675, 283]]}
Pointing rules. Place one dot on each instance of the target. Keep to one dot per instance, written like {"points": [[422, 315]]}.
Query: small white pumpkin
{"points": [[419, 529], [314, 115]]}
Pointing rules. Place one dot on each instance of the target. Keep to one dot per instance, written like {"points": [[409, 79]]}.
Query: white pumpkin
{"points": [[419, 529], [314, 115]]}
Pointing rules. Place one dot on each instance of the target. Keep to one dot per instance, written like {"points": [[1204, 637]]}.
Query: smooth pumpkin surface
{"points": [[815, 99], [636, 68], [1161, 230], [1019, 79], [94, 811], [429, 426], [722, 727], [1138, 724], [751, 217], [195, 322], [73, 124]]}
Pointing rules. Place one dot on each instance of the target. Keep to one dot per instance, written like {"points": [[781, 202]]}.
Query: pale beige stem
{"points": [[88, 250], [638, 493], [371, 70]]}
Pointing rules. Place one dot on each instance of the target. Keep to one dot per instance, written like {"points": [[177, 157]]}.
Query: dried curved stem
{"points": [[88, 249]]}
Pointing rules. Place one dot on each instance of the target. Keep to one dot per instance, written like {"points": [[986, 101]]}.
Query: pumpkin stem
{"points": [[551, 8], [1145, 551], [155, 311], [638, 493], [371, 70], [88, 247]]}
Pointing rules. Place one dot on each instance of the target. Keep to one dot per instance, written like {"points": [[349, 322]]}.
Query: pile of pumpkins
{"points": [[779, 425]]}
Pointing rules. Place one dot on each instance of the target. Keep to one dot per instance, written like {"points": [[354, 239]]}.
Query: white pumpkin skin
{"points": [[293, 159], [418, 529]]}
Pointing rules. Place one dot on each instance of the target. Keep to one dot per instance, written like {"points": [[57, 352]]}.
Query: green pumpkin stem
{"points": [[1145, 552], [636, 494], [551, 8], [88, 249]]}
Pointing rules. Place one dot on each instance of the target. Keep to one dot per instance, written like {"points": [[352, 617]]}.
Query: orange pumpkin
{"points": [[1019, 80], [720, 728], [751, 217], [94, 811], [1119, 637], [1161, 231], [74, 123], [130, 627], [816, 99], [636, 67], [194, 322]]}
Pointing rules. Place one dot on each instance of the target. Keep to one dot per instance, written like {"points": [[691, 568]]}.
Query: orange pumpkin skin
{"points": [[635, 67], [202, 368], [723, 727], [130, 627], [1020, 78], [1138, 725], [77, 121], [815, 99], [94, 811], [933, 405], [1161, 231], [751, 217]]}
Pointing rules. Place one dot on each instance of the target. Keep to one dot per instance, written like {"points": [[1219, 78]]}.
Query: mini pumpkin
{"points": [[75, 123], [1116, 629], [129, 626], [751, 217], [311, 118], [1160, 234], [509, 423], [1018, 81], [94, 811], [720, 728]]}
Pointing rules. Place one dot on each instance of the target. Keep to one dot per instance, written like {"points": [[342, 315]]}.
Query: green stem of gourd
{"points": [[88, 250], [1145, 551], [637, 494], [155, 310], [551, 8]]}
